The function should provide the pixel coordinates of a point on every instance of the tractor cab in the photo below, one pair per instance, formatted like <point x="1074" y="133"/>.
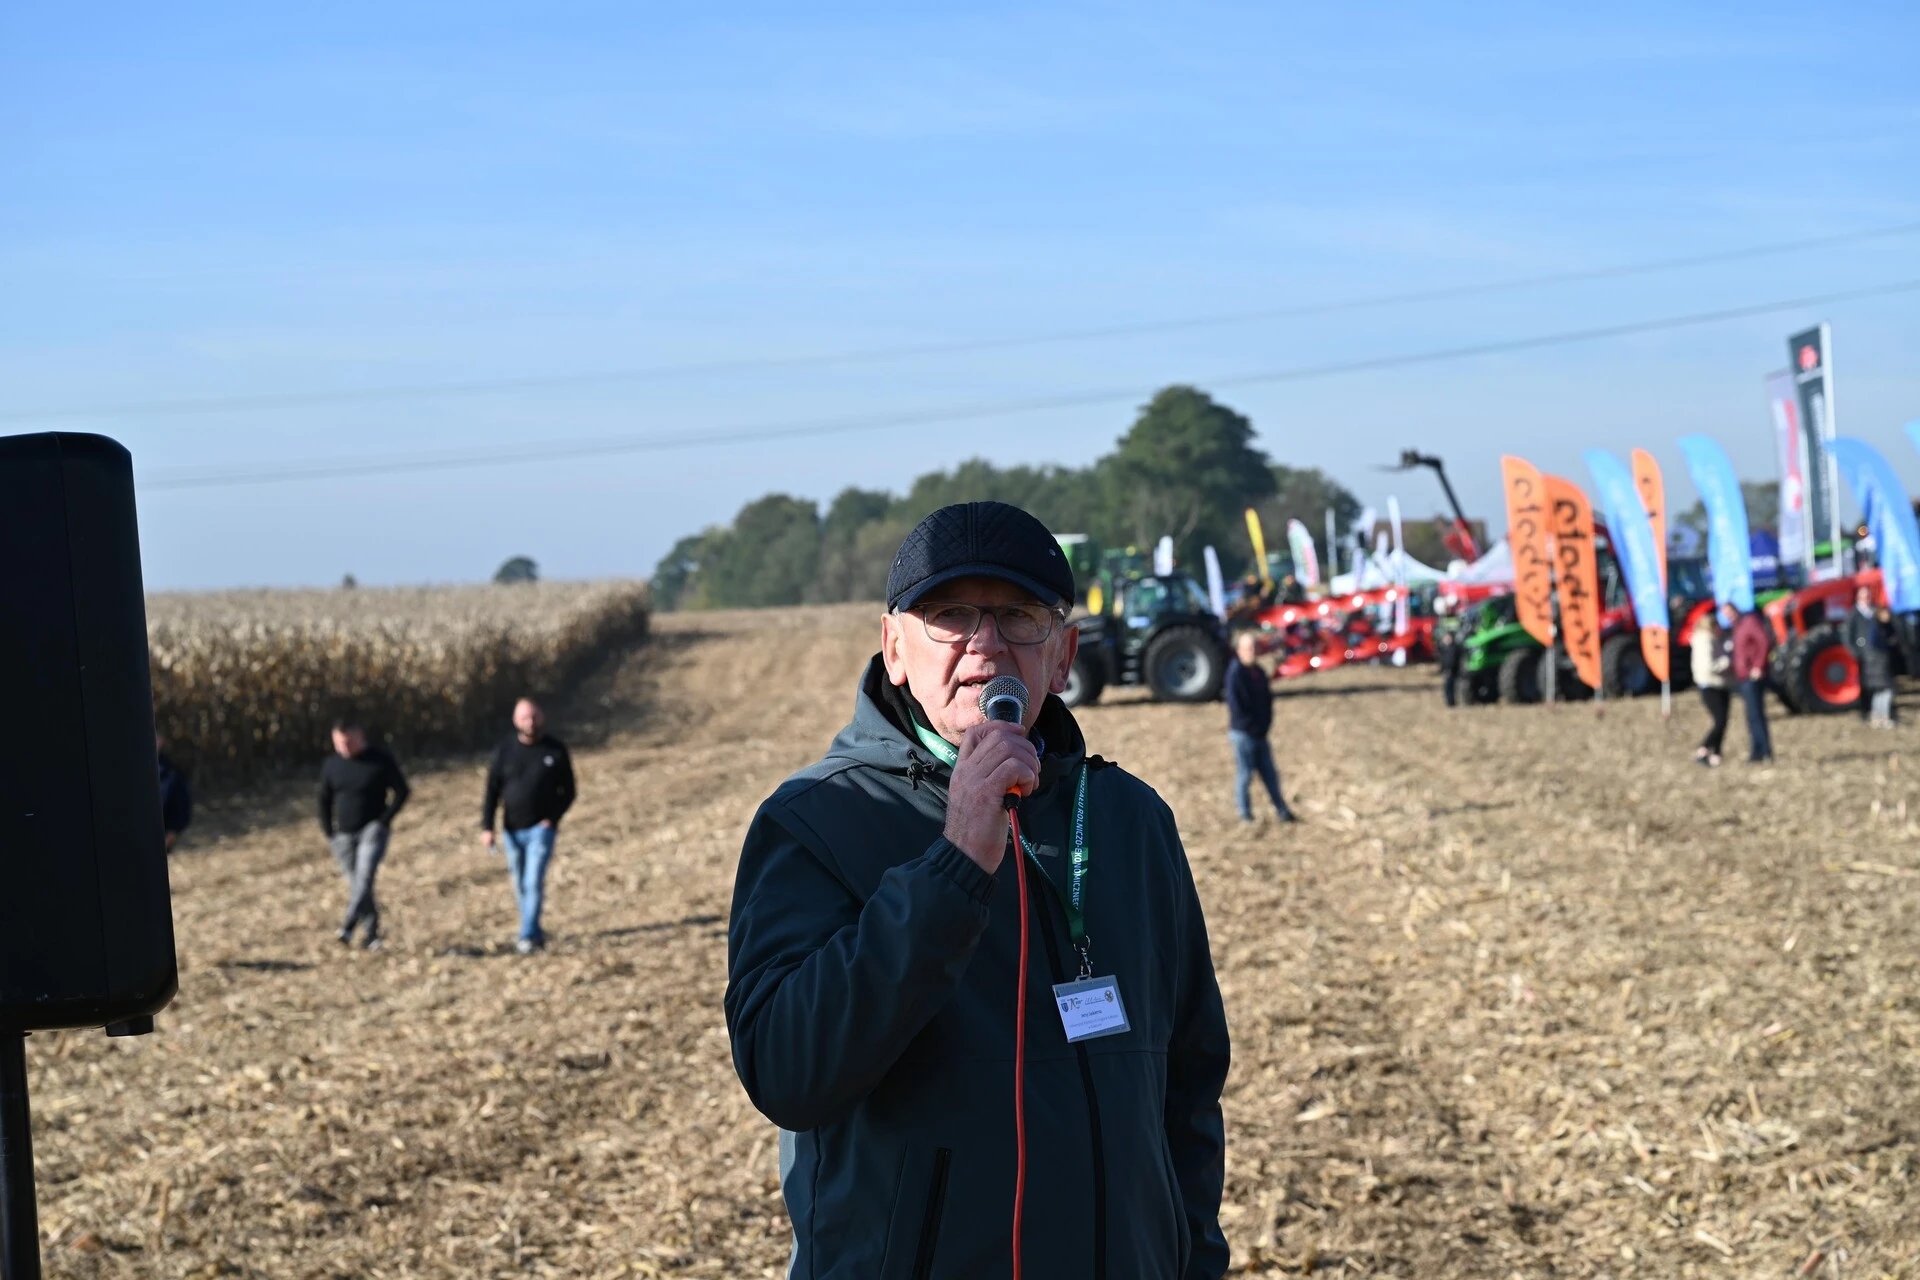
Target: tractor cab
<point x="1158" y="630"/>
<point x="1144" y="600"/>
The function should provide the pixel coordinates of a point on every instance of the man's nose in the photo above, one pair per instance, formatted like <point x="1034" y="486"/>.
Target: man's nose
<point x="986" y="637"/>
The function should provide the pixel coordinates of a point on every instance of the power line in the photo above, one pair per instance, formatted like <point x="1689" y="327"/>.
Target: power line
<point x="551" y="382"/>
<point x="453" y="459"/>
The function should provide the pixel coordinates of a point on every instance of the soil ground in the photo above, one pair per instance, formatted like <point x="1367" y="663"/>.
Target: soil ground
<point x="1528" y="994"/>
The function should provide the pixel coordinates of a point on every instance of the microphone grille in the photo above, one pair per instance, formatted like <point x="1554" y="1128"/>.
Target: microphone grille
<point x="1004" y="690"/>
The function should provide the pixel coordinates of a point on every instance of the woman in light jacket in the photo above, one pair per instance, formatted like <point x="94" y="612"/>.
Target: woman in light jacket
<point x="1712" y="675"/>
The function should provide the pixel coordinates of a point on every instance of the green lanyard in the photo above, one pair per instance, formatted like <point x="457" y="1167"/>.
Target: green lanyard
<point x="1079" y="856"/>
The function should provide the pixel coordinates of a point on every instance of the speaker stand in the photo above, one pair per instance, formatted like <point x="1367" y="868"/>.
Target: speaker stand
<point x="19" y="1219"/>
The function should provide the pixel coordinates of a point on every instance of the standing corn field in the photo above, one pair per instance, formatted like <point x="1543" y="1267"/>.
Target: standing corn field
<point x="248" y="681"/>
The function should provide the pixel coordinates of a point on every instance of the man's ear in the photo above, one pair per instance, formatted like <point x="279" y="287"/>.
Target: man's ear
<point x="893" y="647"/>
<point x="1057" y="680"/>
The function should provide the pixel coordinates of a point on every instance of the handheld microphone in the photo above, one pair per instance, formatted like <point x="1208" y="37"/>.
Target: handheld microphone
<point x="1004" y="698"/>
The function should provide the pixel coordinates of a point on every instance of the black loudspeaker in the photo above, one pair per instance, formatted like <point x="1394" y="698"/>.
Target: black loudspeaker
<point x="86" y="924"/>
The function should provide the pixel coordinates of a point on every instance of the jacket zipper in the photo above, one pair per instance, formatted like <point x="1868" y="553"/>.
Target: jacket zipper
<point x="930" y="1223"/>
<point x="1097" y="1154"/>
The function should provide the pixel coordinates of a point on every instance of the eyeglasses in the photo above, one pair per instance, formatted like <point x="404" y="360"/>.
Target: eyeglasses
<point x="1017" y="623"/>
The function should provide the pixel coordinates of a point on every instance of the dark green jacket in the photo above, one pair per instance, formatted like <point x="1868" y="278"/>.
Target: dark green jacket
<point x="870" y="998"/>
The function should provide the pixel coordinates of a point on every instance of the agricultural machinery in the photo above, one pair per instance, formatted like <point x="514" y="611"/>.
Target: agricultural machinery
<point x="1500" y="660"/>
<point x="1459" y="540"/>
<point x="1319" y="635"/>
<point x="1503" y="663"/>
<point x="1159" y="631"/>
<point x="1812" y="667"/>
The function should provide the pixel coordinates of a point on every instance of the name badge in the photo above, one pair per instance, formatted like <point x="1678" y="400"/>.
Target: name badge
<point x="1090" y="1008"/>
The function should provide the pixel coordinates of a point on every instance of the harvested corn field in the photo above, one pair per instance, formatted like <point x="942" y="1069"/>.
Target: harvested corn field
<point x="245" y="681"/>
<point x="1529" y="994"/>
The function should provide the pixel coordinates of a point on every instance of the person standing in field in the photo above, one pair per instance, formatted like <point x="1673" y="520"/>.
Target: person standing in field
<point x="1867" y="636"/>
<point x="361" y="791"/>
<point x="877" y="956"/>
<point x="176" y="798"/>
<point x="1752" y="642"/>
<point x="532" y="774"/>
<point x="1712" y="664"/>
<point x="1249" y="720"/>
<point x="1448" y="651"/>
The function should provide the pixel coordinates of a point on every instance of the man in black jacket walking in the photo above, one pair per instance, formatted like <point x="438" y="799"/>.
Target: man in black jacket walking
<point x="1249" y="720"/>
<point x="874" y="959"/>
<point x="532" y="772"/>
<point x="361" y="789"/>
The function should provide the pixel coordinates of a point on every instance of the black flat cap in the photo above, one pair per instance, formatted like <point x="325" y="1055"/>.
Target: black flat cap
<point x="979" y="540"/>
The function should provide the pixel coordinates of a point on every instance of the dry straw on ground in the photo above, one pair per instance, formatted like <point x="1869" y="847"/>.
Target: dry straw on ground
<point x="1528" y="995"/>
<point x="248" y="680"/>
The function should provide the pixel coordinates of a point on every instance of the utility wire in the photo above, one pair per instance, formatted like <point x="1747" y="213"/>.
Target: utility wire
<point x="452" y="459"/>
<point x="491" y="386"/>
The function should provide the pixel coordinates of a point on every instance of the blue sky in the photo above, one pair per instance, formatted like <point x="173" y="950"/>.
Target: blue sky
<point x="223" y="200"/>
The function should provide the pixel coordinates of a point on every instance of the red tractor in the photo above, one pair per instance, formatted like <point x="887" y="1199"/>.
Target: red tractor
<point x="1812" y="668"/>
<point x="1623" y="666"/>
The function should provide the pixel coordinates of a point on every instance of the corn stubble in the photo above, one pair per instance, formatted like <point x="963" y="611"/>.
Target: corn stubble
<point x="1527" y="994"/>
<point x="247" y="682"/>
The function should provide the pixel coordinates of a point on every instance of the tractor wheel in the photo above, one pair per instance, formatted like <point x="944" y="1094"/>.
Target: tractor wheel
<point x="1822" y="673"/>
<point x="1085" y="682"/>
<point x="1483" y="686"/>
<point x="1520" y="677"/>
<point x="1567" y="684"/>
<point x="1185" y="664"/>
<point x="1624" y="670"/>
<point x="1778" y="663"/>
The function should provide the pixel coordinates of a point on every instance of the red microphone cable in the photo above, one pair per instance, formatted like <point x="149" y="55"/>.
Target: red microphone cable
<point x="1019" y="1047"/>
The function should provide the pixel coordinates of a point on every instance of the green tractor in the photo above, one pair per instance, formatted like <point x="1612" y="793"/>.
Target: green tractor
<point x="1157" y="630"/>
<point x="1503" y="663"/>
<point x="1499" y="659"/>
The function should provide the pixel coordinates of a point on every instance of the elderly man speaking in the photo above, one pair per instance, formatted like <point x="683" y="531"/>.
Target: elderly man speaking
<point x="875" y="949"/>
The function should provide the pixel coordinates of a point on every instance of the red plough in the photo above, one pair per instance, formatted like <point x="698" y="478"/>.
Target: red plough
<point x="1319" y="635"/>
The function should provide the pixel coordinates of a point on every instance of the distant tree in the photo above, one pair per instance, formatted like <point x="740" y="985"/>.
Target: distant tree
<point x="843" y="573"/>
<point x="871" y="557"/>
<point x="1303" y="494"/>
<point x="349" y="582"/>
<point x="517" y="569"/>
<point x="1187" y="467"/>
<point x="1762" y="500"/>
<point x="770" y="555"/>
<point x="1062" y="498"/>
<point x="673" y="576"/>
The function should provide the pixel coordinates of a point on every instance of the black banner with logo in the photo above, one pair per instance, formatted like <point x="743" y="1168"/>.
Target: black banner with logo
<point x="1811" y="378"/>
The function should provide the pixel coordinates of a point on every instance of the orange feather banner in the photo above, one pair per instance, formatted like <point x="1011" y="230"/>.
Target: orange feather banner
<point x="1578" y="573"/>
<point x="1528" y="529"/>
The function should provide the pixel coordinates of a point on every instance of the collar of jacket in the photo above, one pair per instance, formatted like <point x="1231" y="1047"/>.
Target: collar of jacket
<point x="881" y="734"/>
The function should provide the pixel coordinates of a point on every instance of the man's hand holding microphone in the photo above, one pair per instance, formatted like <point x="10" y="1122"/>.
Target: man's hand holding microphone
<point x="997" y="761"/>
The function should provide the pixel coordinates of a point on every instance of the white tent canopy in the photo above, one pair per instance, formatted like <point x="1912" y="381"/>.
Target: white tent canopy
<point x="1385" y="570"/>
<point x="1495" y="566"/>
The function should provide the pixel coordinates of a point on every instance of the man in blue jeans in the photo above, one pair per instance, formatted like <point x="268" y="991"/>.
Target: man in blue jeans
<point x="533" y="775"/>
<point x="1249" y="718"/>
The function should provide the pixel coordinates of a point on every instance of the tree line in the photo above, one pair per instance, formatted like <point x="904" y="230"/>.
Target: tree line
<point x="1186" y="467"/>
